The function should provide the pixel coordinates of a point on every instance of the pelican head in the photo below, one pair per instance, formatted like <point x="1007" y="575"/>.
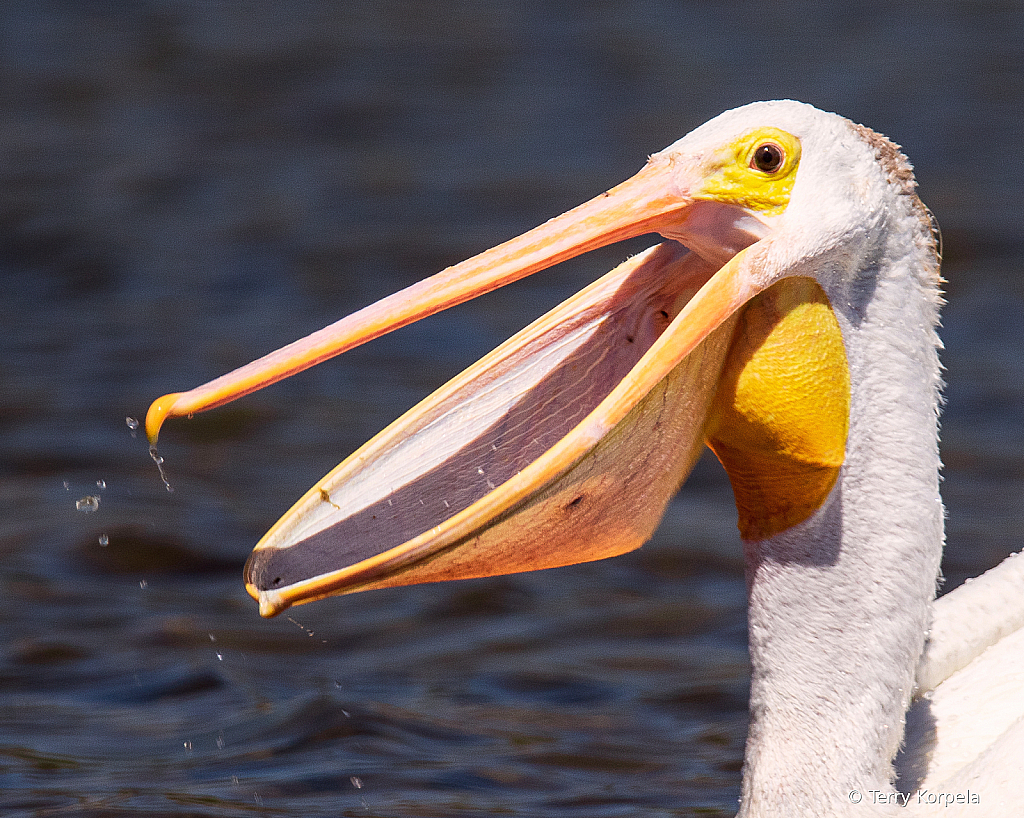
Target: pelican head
<point x="788" y="320"/>
<point x="761" y="194"/>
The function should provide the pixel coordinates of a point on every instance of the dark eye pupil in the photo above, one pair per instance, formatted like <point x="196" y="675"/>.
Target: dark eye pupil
<point x="768" y="157"/>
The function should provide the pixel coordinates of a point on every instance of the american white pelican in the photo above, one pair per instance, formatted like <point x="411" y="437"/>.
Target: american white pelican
<point x="789" y="321"/>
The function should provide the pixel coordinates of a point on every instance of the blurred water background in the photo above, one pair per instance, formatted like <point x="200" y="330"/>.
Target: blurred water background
<point x="185" y="185"/>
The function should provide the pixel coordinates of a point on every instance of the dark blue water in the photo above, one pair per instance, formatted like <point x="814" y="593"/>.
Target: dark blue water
<point x="186" y="185"/>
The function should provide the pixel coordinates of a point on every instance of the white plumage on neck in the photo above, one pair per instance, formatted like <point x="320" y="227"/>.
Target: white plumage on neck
<point x="839" y="605"/>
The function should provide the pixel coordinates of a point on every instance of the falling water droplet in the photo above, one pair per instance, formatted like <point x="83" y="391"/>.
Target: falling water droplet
<point x="160" y="467"/>
<point x="88" y="504"/>
<point x="101" y="484"/>
<point x="143" y="583"/>
<point x="104" y="540"/>
<point x="133" y="424"/>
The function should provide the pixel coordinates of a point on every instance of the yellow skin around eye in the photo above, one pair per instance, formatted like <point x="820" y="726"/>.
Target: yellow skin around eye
<point x="781" y="416"/>
<point x="733" y="178"/>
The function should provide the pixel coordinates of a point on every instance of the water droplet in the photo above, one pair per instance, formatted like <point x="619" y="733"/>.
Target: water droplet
<point x="220" y="741"/>
<point x="309" y="631"/>
<point x="160" y="468"/>
<point x="67" y="486"/>
<point x="88" y="504"/>
<point x="220" y="658"/>
<point x="212" y="638"/>
<point x="104" y="540"/>
<point x="234" y="779"/>
<point x="101" y="484"/>
<point x="133" y="424"/>
<point x="143" y="583"/>
<point x="356" y="781"/>
<point x="188" y="745"/>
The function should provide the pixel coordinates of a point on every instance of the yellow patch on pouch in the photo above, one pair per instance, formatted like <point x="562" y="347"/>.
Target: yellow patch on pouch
<point x="781" y="415"/>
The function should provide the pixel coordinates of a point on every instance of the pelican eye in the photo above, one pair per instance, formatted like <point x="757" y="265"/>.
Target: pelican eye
<point x="767" y="157"/>
<point x="756" y="171"/>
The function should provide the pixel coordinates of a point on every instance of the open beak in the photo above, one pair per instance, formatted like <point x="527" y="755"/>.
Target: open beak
<point x="563" y="445"/>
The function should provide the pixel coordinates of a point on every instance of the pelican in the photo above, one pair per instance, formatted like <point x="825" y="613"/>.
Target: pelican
<point x="788" y="321"/>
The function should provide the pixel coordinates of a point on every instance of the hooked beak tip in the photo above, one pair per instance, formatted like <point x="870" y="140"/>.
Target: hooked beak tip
<point x="270" y="603"/>
<point x="158" y="412"/>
